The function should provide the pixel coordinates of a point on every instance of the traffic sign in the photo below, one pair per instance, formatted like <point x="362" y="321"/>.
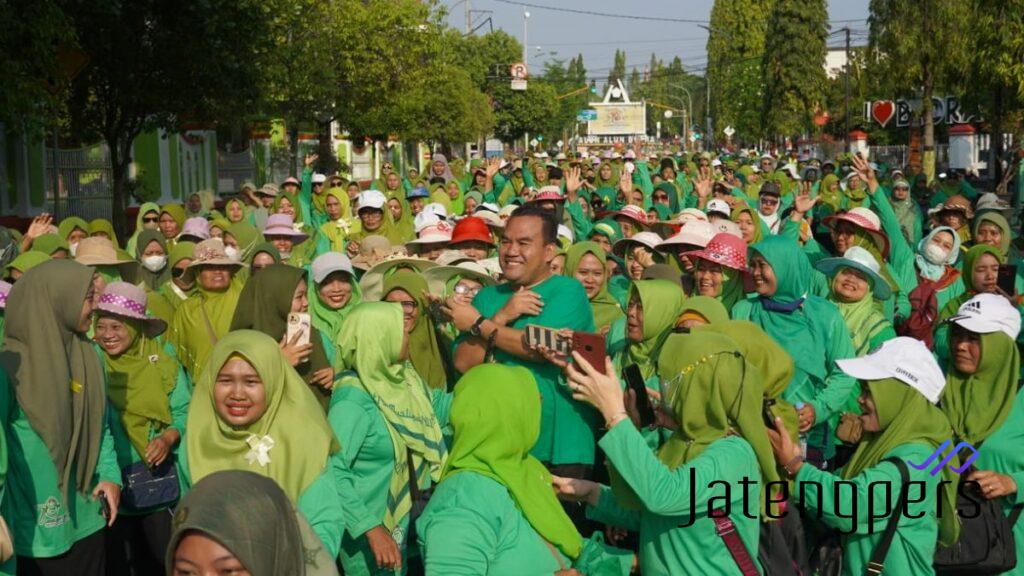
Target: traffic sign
<point x="586" y="115"/>
<point x="518" y="71"/>
<point x="559" y="143"/>
<point x="534" y="142"/>
<point x="729" y="131"/>
<point x="519" y="85"/>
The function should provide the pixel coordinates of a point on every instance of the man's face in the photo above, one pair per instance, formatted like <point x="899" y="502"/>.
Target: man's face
<point x="523" y="254"/>
<point x="769" y="205"/>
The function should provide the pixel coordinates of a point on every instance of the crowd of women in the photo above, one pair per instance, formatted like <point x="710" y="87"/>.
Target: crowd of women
<point x="326" y="376"/>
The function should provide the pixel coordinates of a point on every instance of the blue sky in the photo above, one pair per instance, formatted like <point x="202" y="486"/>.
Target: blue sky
<point x="557" y="34"/>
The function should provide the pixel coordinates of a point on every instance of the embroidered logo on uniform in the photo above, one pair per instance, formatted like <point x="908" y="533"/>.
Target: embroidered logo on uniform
<point x="52" y="514"/>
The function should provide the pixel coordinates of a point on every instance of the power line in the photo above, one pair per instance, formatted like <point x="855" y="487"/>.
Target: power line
<point x="605" y="14"/>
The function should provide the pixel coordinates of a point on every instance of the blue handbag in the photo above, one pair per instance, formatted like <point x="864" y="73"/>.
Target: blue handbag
<point x="145" y="488"/>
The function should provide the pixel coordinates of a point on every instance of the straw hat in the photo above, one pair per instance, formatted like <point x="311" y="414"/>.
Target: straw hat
<point x="209" y="253"/>
<point x="439" y="276"/>
<point x="129" y="301"/>
<point x="372" y="250"/>
<point x="98" y="251"/>
<point x="372" y="282"/>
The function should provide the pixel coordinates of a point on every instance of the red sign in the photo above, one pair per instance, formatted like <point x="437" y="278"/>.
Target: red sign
<point x="518" y="71"/>
<point x="883" y="111"/>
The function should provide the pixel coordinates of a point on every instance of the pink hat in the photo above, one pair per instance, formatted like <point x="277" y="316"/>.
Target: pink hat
<point x="283" y="225"/>
<point x="549" y="193"/>
<point x="694" y="233"/>
<point x="635" y="213"/>
<point x="196" y="227"/>
<point x="129" y="301"/>
<point x="867" y="220"/>
<point x="5" y="289"/>
<point x="291" y="180"/>
<point x="725" y="249"/>
<point x="434" y="234"/>
<point x="691" y="214"/>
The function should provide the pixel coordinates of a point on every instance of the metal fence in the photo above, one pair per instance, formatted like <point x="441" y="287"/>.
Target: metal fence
<point x="234" y="169"/>
<point x="83" y="180"/>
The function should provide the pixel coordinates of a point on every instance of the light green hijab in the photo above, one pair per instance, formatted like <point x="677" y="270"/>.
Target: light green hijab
<point x="303" y="440"/>
<point x="139" y="381"/>
<point x="495" y="415"/>
<point x="863" y="318"/>
<point x="606" y="308"/>
<point x="662" y="302"/>
<point x="104" y="226"/>
<point x="25" y="262"/>
<point x="54" y="370"/>
<point x="326" y="319"/>
<point x="399" y="393"/>
<point x="424" y="348"/>
<point x="978" y="404"/>
<point x="905" y="417"/>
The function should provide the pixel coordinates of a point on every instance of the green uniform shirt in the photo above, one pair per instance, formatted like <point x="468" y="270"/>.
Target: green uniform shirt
<point x="674" y="498"/>
<point x="43" y="523"/>
<point x="913" y="546"/>
<point x="566" y="426"/>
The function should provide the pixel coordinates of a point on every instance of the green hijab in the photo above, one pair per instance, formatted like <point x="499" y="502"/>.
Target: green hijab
<point x="25" y="262"/>
<point x="906" y="417"/>
<point x="326" y="319"/>
<point x="833" y="200"/>
<point x="152" y="280"/>
<point x="978" y="404"/>
<point x="758" y="225"/>
<point x="292" y="199"/>
<point x="54" y="370"/>
<point x="232" y="507"/>
<point x="709" y="308"/>
<point x="967" y="276"/>
<point x="264" y="248"/>
<point x="495" y="415"/>
<point x="662" y="303"/>
<point x="606" y="308"/>
<point x="246" y="235"/>
<point x="998" y="220"/>
<point x="68" y="225"/>
<point x="140" y="225"/>
<point x="401" y="396"/>
<point x="139" y="381"/>
<point x="264" y="305"/>
<point x="227" y="212"/>
<point x="176" y="211"/>
<point x="303" y="440"/>
<point x="424" y="349"/>
<point x="863" y="318"/>
<point x="104" y="226"/>
<point x="49" y="244"/>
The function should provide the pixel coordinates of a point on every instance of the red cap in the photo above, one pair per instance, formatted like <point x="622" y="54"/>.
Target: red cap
<point x="472" y="228"/>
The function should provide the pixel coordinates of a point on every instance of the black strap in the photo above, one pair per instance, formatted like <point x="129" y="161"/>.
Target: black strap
<point x="1014" y="514"/>
<point x="877" y="562"/>
<point x="414" y="490"/>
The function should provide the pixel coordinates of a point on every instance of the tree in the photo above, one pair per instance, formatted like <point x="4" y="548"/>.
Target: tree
<point x="33" y="45"/>
<point x="793" y="66"/>
<point x="155" y="65"/>
<point x="618" y="71"/>
<point x="486" y="57"/>
<point x="518" y="112"/>
<point x="736" y="46"/>
<point x="450" y="112"/>
<point x="922" y="43"/>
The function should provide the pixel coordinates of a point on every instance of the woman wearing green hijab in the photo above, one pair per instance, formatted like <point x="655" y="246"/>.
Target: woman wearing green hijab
<point x="172" y="218"/>
<point x="151" y="253"/>
<point x="338" y="220"/>
<point x="983" y="403"/>
<point x="385" y="417"/>
<point x="60" y="456"/>
<point x="206" y="316"/>
<point x="587" y="262"/>
<point x="73" y="230"/>
<point x="252" y="411"/>
<point x="148" y="218"/>
<point x="52" y="245"/>
<point x="430" y="360"/>
<point x="239" y="240"/>
<point x="899" y="421"/>
<point x="714" y="398"/>
<point x="149" y="394"/>
<point x="334" y="293"/>
<point x="718" y="269"/>
<point x="751" y="226"/>
<point x="265" y="304"/>
<point x="855" y="286"/>
<point x="102" y="227"/>
<point x="179" y="287"/>
<point x="494" y="511"/>
<point x="654" y="306"/>
<point x="811" y="330"/>
<point x="235" y="211"/>
<point x="222" y="527"/>
<point x="22" y="264"/>
<point x="263" y="254"/>
<point x="980" y="275"/>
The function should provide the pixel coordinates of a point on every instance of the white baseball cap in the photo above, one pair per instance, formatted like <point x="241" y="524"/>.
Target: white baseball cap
<point x="693" y="233"/>
<point x="424" y="219"/>
<point x="371" y="199"/>
<point x="330" y="262"/>
<point x="716" y="162"/>
<point x="630" y="155"/>
<point x="437" y="209"/>
<point x="319" y="178"/>
<point x="905" y="359"/>
<point x="720" y="206"/>
<point x="565" y="232"/>
<point x="987" y="313"/>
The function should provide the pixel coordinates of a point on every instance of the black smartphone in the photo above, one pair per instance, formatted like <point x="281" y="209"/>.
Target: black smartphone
<point x="635" y="382"/>
<point x="766" y="413"/>
<point x="105" y="506"/>
<point x="1006" y="279"/>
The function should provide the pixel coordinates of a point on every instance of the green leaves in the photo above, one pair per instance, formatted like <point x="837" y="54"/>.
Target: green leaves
<point x="793" y="66"/>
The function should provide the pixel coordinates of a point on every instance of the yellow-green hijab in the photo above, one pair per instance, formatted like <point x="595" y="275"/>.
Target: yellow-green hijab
<point x="495" y="415"/>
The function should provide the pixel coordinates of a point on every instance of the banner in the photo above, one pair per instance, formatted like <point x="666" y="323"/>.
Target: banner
<point x="618" y="119"/>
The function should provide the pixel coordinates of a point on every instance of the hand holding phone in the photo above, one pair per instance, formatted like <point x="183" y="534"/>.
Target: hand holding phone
<point x="298" y="326"/>
<point x="591" y="347"/>
<point x="635" y="382"/>
<point x="1006" y="279"/>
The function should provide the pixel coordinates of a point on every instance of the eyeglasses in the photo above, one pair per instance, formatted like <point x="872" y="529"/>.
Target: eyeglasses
<point x="149" y="219"/>
<point x="408" y="305"/>
<point x="769" y="201"/>
<point x="463" y="290"/>
<point x="177" y="272"/>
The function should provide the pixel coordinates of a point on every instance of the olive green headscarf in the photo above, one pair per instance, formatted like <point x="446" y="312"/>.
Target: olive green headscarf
<point x="55" y="370"/>
<point x="246" y="236"/>
<point x="253" y="519"/>
<point x="662" y="303"/>
<point x="400" y="395"/>
<point x="303" y="440"/>
<point x="707" y="307"/>
<point x="970" y="260"/>
<point x="495" y="415"/>
<point x="264" y="248"/>
<point x="978" y="404"/>
<point x="153" y="280"/>
<point x="424" y="349"/>
<point x="139" y="381"/>
<point x="905" y="416"/>
<point x="264" y="305"/>
<point x="68" y="225"/>
<point x="605" y="306"/>
<point x="25" y="262"/>
<point x="1000" y="222"/>
<point x="49" y="244"/>
<point x="103" y="225"/>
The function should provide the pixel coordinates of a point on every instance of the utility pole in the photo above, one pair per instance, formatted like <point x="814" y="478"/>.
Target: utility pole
<point x="846" y="87"/>
<point x="469" y="21"/>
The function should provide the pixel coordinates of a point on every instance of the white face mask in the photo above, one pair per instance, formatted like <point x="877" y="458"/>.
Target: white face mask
<point x="154" y="263"/>
<point x="286" y="255"/>
<point x="935" y="254"/>
<point x="232" y="253"/>
<point x="74" y="248"/>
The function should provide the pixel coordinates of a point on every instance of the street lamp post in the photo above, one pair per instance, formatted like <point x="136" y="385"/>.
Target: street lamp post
<point x="707" y="82"/>
<point x="526" y="57"/>
<point x="688" y="113"/>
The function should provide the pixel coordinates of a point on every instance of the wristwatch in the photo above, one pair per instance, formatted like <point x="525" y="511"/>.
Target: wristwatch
<point x="475" y="328"/>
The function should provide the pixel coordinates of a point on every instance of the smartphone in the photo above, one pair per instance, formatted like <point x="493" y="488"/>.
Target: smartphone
<point x="434" y="308"/>
<point x="537" y="336"/>
<point x="766" y="413"/>
<point x="298" y="323"/>
<point x="635" y="382"/>
<point x="105" y="506"/>
<point x="1006" y="279"/>
<point x="591" y="347"/>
